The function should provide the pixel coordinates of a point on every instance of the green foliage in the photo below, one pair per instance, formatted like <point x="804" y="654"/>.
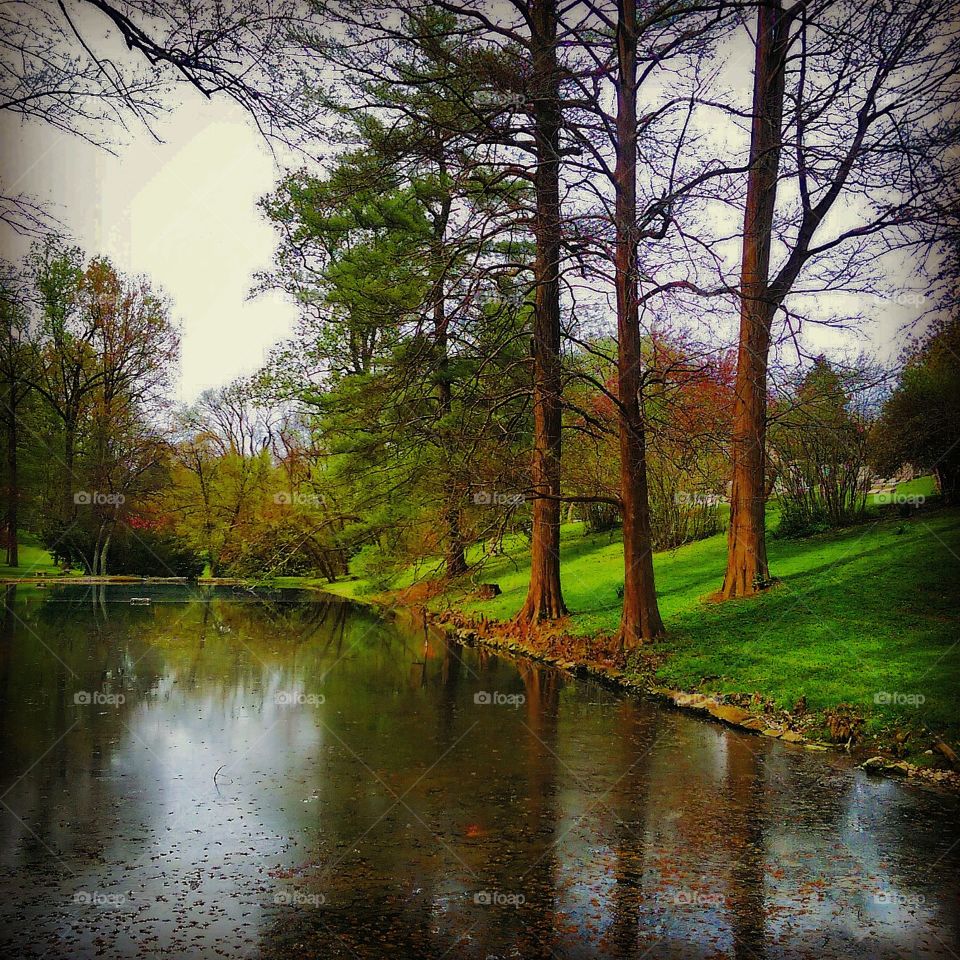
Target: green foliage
<point x="600" y="517"/>
<point x="920" y="423"/>
<point x="819" y="447"/>
<point x="149" y="553"/>
<point x="140" y="552"/>
<point x="284" y="546"/>
<point x="799" y="519"/>
<point x="375" y="569"/>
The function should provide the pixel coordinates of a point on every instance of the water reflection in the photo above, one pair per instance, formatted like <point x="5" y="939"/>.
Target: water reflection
<point x="220" y="772"/>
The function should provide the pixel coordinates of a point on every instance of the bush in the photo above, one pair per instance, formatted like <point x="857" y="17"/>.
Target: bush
<point x="599" y="517"/>
<point x="796" y="521"/>
<point x="152" y="554"/>
<point x="371" y="565"/>
<point x="818" y="447"/>
<point x="677" y="518"/>
<point x="141" y="552"/>
<point x="269" y="550"/>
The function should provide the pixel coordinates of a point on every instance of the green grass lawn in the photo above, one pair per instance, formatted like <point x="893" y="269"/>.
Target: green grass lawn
<point x="33" y="558"/>
<point x="868" y="610"/>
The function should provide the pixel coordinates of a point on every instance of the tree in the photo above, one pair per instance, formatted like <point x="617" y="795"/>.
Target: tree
<point x="223" y="474"/>
<point x="100" y="360"/>
<point x="65" y="371"/>
<point x="513" y="54"/>
<point x="544" y="596"/>
<point x="920" y="422"/>
<point x="818" y="444"/>
<point x="15" y="376"/>
<point x="863" y="145"/>
<point x="747" y="569"/>
<point x="640" y="619"/>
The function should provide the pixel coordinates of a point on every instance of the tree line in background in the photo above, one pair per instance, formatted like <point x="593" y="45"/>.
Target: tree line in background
<point x="529" y="225"/>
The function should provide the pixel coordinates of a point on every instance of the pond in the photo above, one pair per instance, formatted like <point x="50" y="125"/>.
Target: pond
<point x="249" y="774"/>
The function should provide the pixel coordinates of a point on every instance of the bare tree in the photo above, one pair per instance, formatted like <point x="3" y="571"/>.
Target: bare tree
<point x="747" y="562"/>
<point x="853" y="127"/>
<point x="640" y="619"/>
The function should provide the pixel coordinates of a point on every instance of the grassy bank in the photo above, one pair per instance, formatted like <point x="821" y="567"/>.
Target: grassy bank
<point x="34" y="559"/>
<point x="857" y="614"/>
<point x="867" y="616"/>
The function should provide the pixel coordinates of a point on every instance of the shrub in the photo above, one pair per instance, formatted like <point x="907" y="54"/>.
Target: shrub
<point x="371" y="565"/>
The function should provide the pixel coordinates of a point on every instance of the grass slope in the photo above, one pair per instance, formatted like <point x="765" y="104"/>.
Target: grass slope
<point x="33" y="558"/>
<point x="869" y="610"/>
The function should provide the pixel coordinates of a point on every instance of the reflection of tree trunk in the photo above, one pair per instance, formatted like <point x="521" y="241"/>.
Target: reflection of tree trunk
<point x="641" y="617"/>
<point x="98" y="598"/>
<point x="747" y="569"/>
<point x="450" y="675"/>
<point x="745" y="828"/>
<point x="544" y="597"/>
<point x="631" y="796"/>
<point x="6" y="651"/>
<point x="537" y="881"/>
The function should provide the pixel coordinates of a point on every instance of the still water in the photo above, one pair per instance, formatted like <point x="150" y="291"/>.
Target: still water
<point x="222" y="773"/>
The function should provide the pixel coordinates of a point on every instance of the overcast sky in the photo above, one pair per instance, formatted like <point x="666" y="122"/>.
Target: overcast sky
<point x="182" y="211"/>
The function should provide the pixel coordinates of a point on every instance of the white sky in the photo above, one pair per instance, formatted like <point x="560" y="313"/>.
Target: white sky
<point x="182" y="211"/>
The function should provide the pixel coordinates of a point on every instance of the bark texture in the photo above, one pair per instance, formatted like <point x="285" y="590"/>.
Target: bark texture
<point x="641" y="617"/>
<point x="544" y="597"/>
<point x="747" y="569"/>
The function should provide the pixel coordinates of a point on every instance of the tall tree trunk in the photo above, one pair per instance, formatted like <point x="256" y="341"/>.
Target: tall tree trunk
<point x="13" y="488"/>
<point x="69" y="456"/>
<point x="104" y="548"/>
<point x="747" y="569"/>
<point x="641" y="617"/>
<point x="456" y="558"/>
<point x="544" y="597"/>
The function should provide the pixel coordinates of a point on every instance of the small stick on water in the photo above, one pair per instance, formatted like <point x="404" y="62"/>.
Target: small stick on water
<point x="222" y="765"/>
